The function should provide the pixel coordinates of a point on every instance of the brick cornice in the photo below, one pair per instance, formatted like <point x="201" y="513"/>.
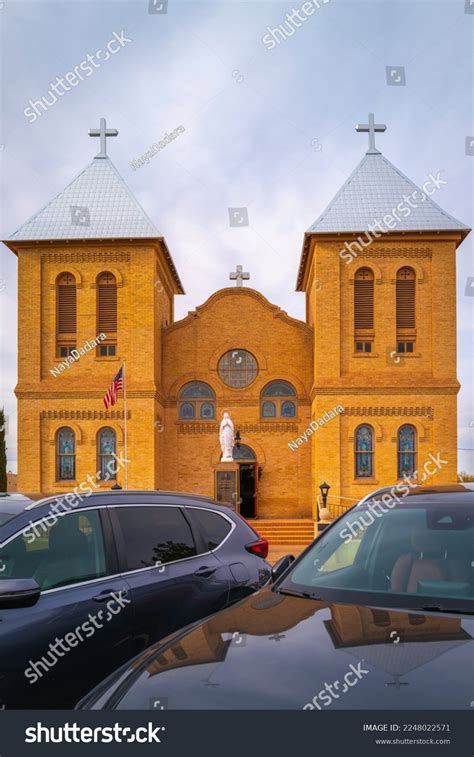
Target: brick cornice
<point x="84" y="395"/>
<point x="245" y="428"/>
<point x="424" y="411"/>
<point x="375" y="391"/>
<point x="84" y="415"/>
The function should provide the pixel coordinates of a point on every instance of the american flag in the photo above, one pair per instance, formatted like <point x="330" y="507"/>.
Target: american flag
<point x="110" y="397"/>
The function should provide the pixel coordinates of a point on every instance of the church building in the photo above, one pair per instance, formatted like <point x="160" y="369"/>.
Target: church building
<point x="361" y="394"/>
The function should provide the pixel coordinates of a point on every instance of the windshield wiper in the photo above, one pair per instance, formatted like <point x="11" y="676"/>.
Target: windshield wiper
<point x="303" y="594"/>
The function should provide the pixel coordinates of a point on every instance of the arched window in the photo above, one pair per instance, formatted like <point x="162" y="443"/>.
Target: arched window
<point x="107" y="313"/>
<point x="186" y="411"/>
<point x="66" y="314"/>
<point x="288" y="409"/>
<point x="364" y="452"/>
<point x="268" y="410"/>
<point x="65" y="454"/>
<point x="363" y="310"/>
<point x="207" y="410"/>
<point x="243" y="452"/>
<point x="406" y="316"/>
<point x="278" y="406"/>
<point x="106" y="451"/>
<point x="406" y="444"/>
<point x="197" y="400"/>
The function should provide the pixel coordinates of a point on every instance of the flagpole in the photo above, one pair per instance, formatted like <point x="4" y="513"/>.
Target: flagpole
<point x="125" y="425"/>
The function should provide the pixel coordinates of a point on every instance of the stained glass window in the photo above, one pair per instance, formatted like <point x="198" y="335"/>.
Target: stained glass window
<point x="243" y="452"/>
<point x="195" y="390"/>
<point x="280" y="407"/>
<point x="237" y="368"/>
<point x="278" y="389"/>
<point x="200" y="401"/>
<point x="186" y="411"/>
<point x="207" y="410"/>
<point x="288" y="409"/>
<point x="364" y="452"/>
<point x="406" y="451"/>
<point x="66" y="454"/>
<point x="268" y="410"/>
<point x="106" y="451"/>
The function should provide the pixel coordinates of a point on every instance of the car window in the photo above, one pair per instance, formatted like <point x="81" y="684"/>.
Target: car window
<point x="154" y="535"/>
<point x="343" y="556"/>
<point x="214" y="527"/>
<point x="413" y="551"/>
<point x="66" y="551"/>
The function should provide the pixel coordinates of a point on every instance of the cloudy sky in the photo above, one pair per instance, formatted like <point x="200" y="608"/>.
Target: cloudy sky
<point x="269" y="130"/>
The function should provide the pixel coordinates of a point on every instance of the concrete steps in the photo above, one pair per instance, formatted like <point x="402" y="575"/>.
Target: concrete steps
<point x="285" y="531"/>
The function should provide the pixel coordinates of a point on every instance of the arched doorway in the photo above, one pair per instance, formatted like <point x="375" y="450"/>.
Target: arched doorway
<point x="248" y="479"/>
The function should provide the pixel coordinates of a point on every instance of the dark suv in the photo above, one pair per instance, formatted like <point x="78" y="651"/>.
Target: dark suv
<point x="86" y="585"/>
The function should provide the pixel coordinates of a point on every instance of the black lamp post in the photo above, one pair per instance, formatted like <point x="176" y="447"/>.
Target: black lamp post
<point x="237" y="439"/>
<point x="324" y="488"/>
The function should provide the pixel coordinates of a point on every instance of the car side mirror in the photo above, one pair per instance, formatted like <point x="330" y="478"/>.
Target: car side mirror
<point x="281" y="565"/>
<point x="18" y="592"/>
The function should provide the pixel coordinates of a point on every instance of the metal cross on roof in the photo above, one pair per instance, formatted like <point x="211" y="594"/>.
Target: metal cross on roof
<point x="371" y="128"/>
<point x="103" y="133"/>
<point x="239" y="276"/>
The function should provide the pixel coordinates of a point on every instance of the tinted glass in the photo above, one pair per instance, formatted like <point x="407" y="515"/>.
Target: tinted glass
<point x="67" y="551"/>
<point x="214" y="527"/>
<point x="414" y="551"/>
<point x="154" y="535"/>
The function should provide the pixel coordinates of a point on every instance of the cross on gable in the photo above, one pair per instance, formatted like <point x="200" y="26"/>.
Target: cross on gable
<point x="239" y="276"/>
<point x="103" y="133"/>
<point x="371" y="128"/>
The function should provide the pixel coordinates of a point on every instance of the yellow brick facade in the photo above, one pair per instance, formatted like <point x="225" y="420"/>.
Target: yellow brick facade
<point x="382" y="388"/>
<point x="317" y="357"/>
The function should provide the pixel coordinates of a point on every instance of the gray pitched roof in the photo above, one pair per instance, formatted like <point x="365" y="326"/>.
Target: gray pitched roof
<point x="111" y="210"/>
<point x="375" y="188"/>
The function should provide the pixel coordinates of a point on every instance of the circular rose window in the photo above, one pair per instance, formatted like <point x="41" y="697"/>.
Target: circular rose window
<point x="237" y="368"/>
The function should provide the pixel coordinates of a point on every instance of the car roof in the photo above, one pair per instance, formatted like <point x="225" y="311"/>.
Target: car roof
<point x="22" y="515"/>
<point x="122" y="496"/>
<point x="424" y="495"/>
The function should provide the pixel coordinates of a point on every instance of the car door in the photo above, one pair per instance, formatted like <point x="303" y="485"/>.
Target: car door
<point x="79" y="630"/>
<point x="173" y="579"/>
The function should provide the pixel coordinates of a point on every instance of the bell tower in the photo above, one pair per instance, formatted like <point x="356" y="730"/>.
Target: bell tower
<point x="376" y="266"/>
<point x="96" y="284"/>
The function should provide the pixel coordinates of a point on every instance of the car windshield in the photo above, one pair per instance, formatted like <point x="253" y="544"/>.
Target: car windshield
<point x="418" y="557"/>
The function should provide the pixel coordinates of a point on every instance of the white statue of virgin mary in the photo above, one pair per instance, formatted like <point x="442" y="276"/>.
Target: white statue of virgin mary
<point x="226" y="438"/>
